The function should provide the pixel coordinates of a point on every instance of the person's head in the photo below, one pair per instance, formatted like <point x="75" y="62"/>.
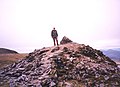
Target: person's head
<point x="54" y="28"/>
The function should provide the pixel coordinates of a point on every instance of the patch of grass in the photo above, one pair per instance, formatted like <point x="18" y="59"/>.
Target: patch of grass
<point x="5" y="63"/>
<point x="6" y="59"/>
<point x="5" y="84"/>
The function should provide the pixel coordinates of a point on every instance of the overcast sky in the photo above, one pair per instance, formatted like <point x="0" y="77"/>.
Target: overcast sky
<point x="26" y="25"/>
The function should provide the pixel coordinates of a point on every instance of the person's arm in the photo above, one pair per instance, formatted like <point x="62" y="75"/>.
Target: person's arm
<point x="56" y="33"/>
<point x="51" y="33"/>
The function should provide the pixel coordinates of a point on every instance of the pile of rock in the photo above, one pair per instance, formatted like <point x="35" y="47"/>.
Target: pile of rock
<point x="66" y="65"/>
<point x="65" y="40"/>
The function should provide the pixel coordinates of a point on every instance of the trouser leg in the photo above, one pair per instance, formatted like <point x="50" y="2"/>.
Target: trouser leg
<point x="54" y="41"/>
<point x="57" y="41"/>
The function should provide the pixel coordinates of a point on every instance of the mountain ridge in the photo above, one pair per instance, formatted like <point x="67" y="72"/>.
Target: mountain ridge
<point x="112" y="53"/>
<point x="7" y="51"/>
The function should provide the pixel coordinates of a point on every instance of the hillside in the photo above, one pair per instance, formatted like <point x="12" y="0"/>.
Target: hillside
<point x="6" y="59"/>
<point x="7" y="51"/>
<point x="113" y="54"/>
<point x="117" y="49"/>
<point x="68" y="65"/>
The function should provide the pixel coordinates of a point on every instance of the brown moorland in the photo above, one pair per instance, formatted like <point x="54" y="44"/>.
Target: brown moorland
<point x="6" y="59"/>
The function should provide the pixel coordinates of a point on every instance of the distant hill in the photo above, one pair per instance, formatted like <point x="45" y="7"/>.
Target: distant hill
<point x="6" y="51"/>
<point x="112" y="53"/>
<point x="117" y="49"/>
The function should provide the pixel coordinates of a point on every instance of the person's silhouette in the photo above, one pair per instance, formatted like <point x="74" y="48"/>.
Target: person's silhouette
<point x="54" y="35"/>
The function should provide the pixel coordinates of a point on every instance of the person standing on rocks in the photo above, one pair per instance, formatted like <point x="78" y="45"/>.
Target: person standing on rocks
<point x="54" y="35"/>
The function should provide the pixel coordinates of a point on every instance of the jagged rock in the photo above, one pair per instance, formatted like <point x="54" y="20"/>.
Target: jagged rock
<point x="67" y="65"/>
<point x="65" y="40"/>
<point x="55" y="49"/>
<point x="28" y="67"/>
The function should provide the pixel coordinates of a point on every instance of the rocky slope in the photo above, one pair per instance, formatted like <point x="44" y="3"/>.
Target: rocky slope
<point x="6" y="51"/>
<point x="67" y="65"/>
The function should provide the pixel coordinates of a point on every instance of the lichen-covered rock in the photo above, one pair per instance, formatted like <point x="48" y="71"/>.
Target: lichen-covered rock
<point x="67" y="65"/>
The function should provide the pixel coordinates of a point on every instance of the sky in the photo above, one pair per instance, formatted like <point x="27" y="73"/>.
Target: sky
<point x="26" y="25"/>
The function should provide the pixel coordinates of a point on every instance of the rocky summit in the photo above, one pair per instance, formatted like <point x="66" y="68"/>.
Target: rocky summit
<point x="68" y="65"/>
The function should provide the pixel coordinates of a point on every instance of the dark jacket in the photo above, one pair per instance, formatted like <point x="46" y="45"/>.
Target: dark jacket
<point x="54" y="34"/>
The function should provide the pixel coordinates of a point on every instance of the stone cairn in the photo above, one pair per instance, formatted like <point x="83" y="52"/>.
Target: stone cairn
<point x="65" y="40"/>
<point x="67" y="65"/>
